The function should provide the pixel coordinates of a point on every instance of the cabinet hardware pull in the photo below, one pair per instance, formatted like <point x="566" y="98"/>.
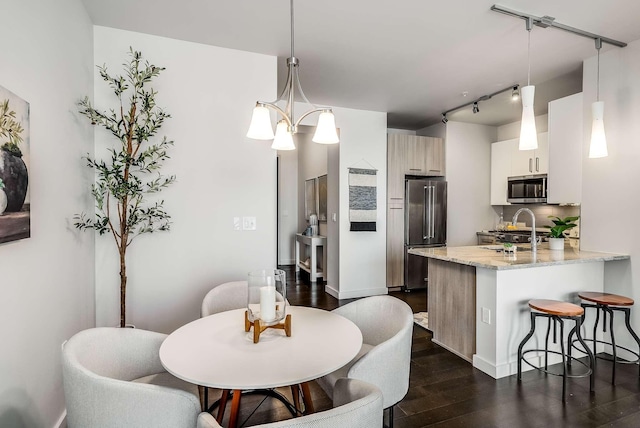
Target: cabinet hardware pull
<point x="415" y="169"/>
<point x="537" y="164"/>
<point x="396" y="208"/>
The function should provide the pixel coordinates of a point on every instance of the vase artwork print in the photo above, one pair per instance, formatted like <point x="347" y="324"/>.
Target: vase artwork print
<point x="15" y="206"/>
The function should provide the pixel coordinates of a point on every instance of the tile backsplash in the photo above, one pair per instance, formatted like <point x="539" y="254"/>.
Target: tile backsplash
<point x="541" y="212"/>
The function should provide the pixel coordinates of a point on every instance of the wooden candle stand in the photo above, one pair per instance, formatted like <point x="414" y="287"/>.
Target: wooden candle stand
<point x="258" y="328"/>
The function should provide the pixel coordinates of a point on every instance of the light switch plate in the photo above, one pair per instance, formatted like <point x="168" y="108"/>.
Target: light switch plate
<point x="486" y="315"/>
<point x="248" y="223"/>
<point x="236" y="223"/>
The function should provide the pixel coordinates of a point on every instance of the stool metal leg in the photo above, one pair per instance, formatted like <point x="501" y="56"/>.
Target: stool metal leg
<point x="526" y="338"/>
<point x="627" y="313"/>
<point x="592" y="359"/>
<point x="564" y="357"/>
<point x="546" y="341"/>
<point x="606" y="310"/>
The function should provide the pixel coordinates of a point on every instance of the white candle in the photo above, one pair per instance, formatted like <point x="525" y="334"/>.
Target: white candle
<point x="268" y="303"/>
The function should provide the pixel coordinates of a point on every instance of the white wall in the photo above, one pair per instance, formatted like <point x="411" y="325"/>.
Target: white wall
<point x="210" y="93"/>
<point x="47" y="281"/>
<point x="362" y="263"/>
<point x="288" y="205"/>
<point x="468" y="148"/>
<point x="610" y="199"/>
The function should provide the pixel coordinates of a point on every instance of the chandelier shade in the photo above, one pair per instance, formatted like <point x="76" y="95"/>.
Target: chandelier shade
<point x="528" y="134"/>
<point x="598" y="146"/>
<point x="283" y="139"/>
<point x="326" y="132"/>
<point x="260" y="127"/>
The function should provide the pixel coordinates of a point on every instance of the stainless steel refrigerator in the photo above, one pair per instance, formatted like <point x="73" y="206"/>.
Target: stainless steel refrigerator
<point x="425" y="225"/>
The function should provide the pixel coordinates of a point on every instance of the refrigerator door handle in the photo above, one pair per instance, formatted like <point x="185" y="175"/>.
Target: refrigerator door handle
<point x="425" y="215"/>
<point x="433" y="211"/>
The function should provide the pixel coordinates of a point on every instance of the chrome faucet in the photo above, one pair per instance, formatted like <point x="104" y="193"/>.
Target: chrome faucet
<point x="534" y="243"/>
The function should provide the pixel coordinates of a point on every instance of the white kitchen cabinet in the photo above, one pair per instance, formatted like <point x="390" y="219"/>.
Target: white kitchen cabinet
<point x="500" y="170"/>
<point x="528" y="162"/>
<point x="565" y="150"/>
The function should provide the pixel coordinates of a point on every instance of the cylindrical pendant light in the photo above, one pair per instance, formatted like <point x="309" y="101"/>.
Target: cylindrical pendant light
<point x="598" y="146"/>
<point x="528" y="133"/>
<point x="326" y="129"/>
<point x="283" y="139"/>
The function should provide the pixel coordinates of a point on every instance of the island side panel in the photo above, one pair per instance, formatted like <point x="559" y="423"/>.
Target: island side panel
<point x="452" y="306"/>
<point x="506" y="293"/>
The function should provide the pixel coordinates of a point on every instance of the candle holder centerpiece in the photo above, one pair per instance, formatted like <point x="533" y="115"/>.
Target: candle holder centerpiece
<point x="267" y="302"/>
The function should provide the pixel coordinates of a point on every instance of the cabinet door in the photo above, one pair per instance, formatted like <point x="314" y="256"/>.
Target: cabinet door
<point x="522" y="161"/>
<point x="435" y="156"/>
<point x="565" y="150"/>
<point x="397" y="146"/>
<point x="541" y="155"/>
<point x="395" y="245"/>
<point x="500" y="170"/>
<point x="417" y="156"/>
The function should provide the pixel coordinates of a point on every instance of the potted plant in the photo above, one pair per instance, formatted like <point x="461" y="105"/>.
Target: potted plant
<point x="557" y="231"/>
<point x="131" y="171"/>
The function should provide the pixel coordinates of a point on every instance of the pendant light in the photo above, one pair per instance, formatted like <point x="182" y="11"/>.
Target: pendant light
<point x="528" y="134"/>
<point x="260" y="127"/>
<point x="598" y="146"/>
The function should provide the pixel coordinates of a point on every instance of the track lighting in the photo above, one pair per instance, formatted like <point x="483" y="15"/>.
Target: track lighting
<point x="515" y="93"/>
<point x="444" y="118"/>
<point x="475" y="108"/>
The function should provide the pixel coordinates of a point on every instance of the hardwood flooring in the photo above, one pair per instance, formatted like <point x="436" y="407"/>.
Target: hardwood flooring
<point x="446" y="391"/>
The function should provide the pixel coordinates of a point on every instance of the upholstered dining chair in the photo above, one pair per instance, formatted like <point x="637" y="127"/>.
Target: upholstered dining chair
<point x="386" y="324"/>
<point x="356" y="404"/>
<point x="225" y="297"/>
<point x="113" y="377"/>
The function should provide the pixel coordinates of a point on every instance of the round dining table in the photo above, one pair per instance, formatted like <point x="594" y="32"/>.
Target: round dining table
<point x="217" y="352"/>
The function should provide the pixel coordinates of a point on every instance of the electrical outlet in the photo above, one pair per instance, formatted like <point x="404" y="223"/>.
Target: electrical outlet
<point x="236" y="223"/>
<point x="486" y="315"/>
<point x="248" y="223"/>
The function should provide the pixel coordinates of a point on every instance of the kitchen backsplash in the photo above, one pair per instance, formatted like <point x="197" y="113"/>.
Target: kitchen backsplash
<point x="541" y="212"/>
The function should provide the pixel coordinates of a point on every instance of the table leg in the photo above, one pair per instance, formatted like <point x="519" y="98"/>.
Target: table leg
<point x="295" y="394"/>
<point x="235" y="408"/>
<point x="306" y="397"/>
<point x="297" y="256"/>
<point x="222" y="405"/>
<point x="314" y="264"/>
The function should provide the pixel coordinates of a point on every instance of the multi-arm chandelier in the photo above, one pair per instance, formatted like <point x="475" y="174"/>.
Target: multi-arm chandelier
<point x="260" y="127"/>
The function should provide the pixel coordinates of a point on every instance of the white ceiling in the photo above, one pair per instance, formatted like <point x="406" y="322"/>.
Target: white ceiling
<point x="410" y="58"/>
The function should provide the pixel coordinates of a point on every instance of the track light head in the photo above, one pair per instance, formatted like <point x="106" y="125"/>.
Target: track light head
<point x="515" y="93"/>
<point x="444" y="118"/>
<point x="475" y="108"/>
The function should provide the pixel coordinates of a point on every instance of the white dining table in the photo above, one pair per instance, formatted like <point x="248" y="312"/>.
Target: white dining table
<point x="215" y="351"/>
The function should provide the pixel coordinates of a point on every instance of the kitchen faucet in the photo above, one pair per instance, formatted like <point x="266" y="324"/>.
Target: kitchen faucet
<point x="534" y="243"/>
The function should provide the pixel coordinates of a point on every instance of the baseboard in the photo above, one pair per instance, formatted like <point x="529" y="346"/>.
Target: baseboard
<point x="62" y="421"/>
<point x="332" y="291"/>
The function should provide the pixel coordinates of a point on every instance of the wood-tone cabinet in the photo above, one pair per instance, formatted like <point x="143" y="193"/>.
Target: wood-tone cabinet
<point x="406" y="155"/>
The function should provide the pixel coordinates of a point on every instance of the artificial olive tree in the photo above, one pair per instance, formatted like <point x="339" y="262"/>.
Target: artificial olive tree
<point x="131" y="172"/>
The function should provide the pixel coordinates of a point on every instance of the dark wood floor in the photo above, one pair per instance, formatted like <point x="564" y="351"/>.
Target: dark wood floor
<point x="446" y="391"/>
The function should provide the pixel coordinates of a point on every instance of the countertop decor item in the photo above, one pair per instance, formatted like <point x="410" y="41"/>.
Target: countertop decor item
<point x="267" y="303"/>
<point x="260" y="127"/>
<point x="557" y="231"/>
<point x="132" y="170"/>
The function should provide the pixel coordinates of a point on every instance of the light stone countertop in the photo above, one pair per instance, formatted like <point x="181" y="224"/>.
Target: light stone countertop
<point x="486" y="256"/>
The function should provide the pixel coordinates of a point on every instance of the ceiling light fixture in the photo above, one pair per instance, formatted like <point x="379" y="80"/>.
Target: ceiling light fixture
<point x="528" y="133"/>
<point x="260" y="127"/>
<point x="598" y="146"/>
<point x="475" y="108"/>
<point x="515" y="93"/>
<point x="444" y="118"/>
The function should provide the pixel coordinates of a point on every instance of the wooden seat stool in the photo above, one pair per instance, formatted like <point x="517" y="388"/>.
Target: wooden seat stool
<point x="607" y="303"/>
<point x="556" y="312"/>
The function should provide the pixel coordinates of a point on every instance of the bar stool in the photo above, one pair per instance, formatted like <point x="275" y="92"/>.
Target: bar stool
<point x="608" y="303"/>
<point x="556" y="311"/>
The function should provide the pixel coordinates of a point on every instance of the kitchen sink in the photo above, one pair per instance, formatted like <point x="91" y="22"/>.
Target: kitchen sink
<point x="500" y="248"/>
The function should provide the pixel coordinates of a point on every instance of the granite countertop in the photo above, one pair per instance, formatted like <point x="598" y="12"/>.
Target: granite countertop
<point x="486" y="256"/>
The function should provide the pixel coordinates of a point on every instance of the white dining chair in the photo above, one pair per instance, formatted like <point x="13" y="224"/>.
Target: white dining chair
<point x="113" y="378"/>
<point x="356" y="404"/>
<point x="225" y="297"/>
<point x="386" y="324"/>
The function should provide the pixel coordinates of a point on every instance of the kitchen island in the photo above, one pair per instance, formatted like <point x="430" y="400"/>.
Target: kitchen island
<point x="478" y="296"/>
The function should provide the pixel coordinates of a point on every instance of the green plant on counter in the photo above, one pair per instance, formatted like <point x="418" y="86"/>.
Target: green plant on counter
<point x="561" y="225"/>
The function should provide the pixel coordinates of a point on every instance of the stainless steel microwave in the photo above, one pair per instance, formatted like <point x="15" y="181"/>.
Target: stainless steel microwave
<point x="527" y="189"/>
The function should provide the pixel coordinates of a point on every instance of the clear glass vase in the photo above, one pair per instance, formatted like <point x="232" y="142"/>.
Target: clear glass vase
<point x="267" y="297"/>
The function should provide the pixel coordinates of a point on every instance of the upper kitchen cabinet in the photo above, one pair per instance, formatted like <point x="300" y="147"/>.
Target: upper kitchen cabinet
<point x="500" y="170"/>
<point x="528" y="162"/>
<point x="565" y="150"/>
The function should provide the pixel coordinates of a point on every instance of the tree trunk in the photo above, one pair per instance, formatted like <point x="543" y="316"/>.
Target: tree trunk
<point x="123" y="286"/>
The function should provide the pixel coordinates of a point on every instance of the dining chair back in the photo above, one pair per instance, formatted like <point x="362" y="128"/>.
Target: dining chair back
<point x="113" y="377"/>
<point x="225" y="297"/>
<point x="386" y="324"/>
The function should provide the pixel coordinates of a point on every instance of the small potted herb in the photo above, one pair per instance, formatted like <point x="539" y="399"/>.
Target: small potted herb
<point x="557" y="231"/>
